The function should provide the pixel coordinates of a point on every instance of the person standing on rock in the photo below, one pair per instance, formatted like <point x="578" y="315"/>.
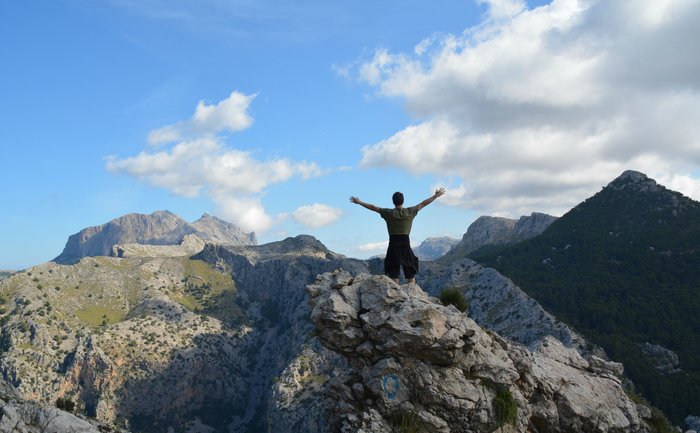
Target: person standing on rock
<point x="398" y="222"/>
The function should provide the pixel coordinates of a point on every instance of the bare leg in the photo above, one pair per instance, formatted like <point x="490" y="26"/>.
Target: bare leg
<point x="396" y="280"/>
<point x="411" y="280"/>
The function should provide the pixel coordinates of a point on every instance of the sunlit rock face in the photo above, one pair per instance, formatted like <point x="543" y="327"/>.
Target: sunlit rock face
<point x="414" y="360"/>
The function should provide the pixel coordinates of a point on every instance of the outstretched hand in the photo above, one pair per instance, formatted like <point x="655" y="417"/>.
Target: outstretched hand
<point x="355" y="200"/>
<point x="439" y="192"/>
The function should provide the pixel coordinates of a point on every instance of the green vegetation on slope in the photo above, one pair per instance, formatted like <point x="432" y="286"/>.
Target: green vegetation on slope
<point x="208" y="291"/>
<point x="96" y="315"/>
<point x="623" y="268"/>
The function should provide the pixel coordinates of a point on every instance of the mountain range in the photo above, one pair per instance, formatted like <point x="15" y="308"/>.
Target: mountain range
<point x="159" y="332"/>
<point x="158" y="228"/>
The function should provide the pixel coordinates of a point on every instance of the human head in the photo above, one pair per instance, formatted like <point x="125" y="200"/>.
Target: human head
<point x="397" y="198"/>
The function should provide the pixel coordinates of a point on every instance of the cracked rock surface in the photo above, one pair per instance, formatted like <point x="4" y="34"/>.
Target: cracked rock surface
<point x="414" y="362"/>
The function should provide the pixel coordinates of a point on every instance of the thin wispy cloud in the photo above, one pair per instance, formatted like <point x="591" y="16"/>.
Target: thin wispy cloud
<point x="241" y="19"/>
<point x="536" y="109"/>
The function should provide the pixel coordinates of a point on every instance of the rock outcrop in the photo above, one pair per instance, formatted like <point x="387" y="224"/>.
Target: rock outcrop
<point x="664" y="360"/>
<point x="489" y="230"/>
<point x="417" y="363"/>
<point x="189" y="245"/>
<point x="158" y="228"/>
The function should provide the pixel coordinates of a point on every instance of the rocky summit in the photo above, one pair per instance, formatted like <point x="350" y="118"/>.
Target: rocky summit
<point x="417" y="365"/>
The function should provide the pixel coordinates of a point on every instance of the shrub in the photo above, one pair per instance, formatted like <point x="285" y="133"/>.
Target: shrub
<point x="65" y="403"/>
<point x="659" y="423"/>
<point x="453" y="296"/>
<point x="505" y="408"/>
<point x="406" y="422"/>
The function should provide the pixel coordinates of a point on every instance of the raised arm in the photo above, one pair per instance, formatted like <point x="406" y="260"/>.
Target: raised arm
<point x="427" y="201"/>
<point x="363" y="204"/>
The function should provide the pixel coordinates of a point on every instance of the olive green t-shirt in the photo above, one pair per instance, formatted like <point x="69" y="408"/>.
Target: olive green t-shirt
<point x="399" y="220"/>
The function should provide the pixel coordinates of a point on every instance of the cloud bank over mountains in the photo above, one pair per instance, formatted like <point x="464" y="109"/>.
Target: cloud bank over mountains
<point x="530" y="110"/>
<point x="535" y="109"/>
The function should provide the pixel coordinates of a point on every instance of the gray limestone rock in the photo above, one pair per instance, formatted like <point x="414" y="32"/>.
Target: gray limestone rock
<point x="663" y="359"/>
<point x="189" y="245"/>
<point x="22" y="416"/>
<point x="420" y="362"/>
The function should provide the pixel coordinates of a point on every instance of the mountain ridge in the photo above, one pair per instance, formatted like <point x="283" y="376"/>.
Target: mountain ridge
<point x="161" y="227"/>
<point x="490" y="230"/>
<point x="623" y="267"/>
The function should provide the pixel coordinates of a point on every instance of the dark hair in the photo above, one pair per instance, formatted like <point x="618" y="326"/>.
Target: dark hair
<point x="397" y="198"/>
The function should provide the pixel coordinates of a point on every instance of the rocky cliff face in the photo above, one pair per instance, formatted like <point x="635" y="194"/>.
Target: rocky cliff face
<point x="416" y="363"/>
<point x="498" y="305"/>
<point x="189" y="245"/>
<point x="158" y="228"/>
<point x="271" y="279"/>
<point x="433" y="248"/>
<point x="488" y="230"/>
<point x="22" y="416"/>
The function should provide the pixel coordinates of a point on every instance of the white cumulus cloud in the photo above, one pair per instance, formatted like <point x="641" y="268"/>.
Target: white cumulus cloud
<point x="316" y="215"/>
<point x="373" y="247"/>
<point x="229" y="114"/>
<point x="200" y="163"/>
<point x="536" y="109"/>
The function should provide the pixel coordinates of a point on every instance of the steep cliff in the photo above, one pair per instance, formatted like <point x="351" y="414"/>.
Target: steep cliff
<point x="416" y="363"/>
<point x="433" y="248"/>
<point x="22" y="416"/>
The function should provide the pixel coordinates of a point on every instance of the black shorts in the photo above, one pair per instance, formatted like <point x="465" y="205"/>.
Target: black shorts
<point x="400" y="255"/>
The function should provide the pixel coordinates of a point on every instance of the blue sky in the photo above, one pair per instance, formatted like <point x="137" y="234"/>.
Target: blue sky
<point x="271" y="114"/>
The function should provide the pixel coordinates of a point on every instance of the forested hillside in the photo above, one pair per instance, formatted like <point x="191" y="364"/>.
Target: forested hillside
<point x="623" y="268"/>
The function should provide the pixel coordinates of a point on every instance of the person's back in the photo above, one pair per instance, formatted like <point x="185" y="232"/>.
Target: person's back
<point x="399" y="221"/>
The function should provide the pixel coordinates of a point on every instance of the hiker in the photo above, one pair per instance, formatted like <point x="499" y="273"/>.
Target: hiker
<point x="398" y="222"/>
